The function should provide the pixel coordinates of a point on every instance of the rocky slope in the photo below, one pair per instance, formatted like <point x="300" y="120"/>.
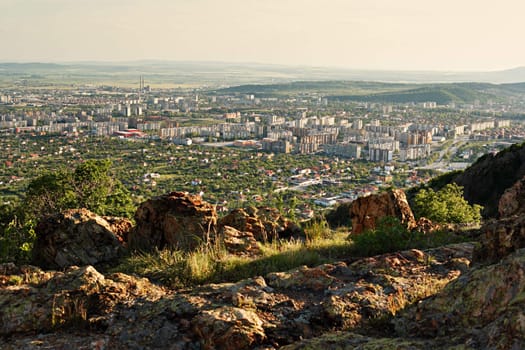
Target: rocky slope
<point x="85" y="309"/>
<point x="462" y="296"/>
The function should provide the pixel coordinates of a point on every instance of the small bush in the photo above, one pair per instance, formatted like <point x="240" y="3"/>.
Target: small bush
<point x="16" y="242"/>
<point x="391" y="235"/>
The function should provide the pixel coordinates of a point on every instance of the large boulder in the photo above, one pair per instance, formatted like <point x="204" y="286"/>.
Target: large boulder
<point x="265" y="224"/>
<point x="78" y="237"/>
<point x="121" y="227"/>
<point x="512" y="201"/>
<point x="175" y="220"/>
<point x="366" y="211"/>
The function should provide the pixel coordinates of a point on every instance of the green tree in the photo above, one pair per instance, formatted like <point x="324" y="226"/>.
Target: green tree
<point x="91" y="185"/>
<point x="446" y="205"/>
<point x="49" y="193"/>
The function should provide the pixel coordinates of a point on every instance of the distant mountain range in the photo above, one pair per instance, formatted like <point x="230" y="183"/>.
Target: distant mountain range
<point x="229" y="74"/>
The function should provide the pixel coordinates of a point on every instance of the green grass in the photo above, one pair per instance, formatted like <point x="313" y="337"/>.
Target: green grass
<point x="213" y="264"/>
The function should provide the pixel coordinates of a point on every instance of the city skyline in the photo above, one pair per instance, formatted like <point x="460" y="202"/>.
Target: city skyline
<point x="376" y="35"/>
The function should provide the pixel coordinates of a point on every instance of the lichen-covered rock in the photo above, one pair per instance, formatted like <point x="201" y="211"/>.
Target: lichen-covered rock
<point x="176" y="220"/>
<point x="229" y="328"/>
<point x="366" y="211"/>
<point x="75" y="237"/>
<point x="78" y="296"/>
<point x="500" y="238"/>
<point x="239" y="243"/>
<point x="485" y="306"/>
<point x="265" y="224"/>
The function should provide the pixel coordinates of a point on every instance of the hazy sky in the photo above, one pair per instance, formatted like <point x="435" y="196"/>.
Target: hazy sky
<point x="370" y="34"/>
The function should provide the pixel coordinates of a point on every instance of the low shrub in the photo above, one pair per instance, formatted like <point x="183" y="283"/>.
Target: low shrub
<point x="391" y="235"/>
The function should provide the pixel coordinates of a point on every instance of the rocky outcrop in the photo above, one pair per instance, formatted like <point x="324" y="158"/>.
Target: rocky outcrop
<point x="175" y="220"/>
<point x="78" y="237"/>
<point x="500" y="238"/>
<point x="366" y="211"/>
<point x="265" y="224"/>
<point x="512" y="202"/>
<point x="485" y="181"/>
<point x="84" y="309"/>
<point x="482" y="309"/>
<point x="229" y="328"/>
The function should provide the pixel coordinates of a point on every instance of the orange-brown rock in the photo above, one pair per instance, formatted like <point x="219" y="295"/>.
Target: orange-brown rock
<point x="366" y="211"/>
<point x="176" y="220"/>
<point x="264" y="223"/>
<point x="77" y="297"/>
<point x="483" y="309"/>
<point x="76" y="237"/>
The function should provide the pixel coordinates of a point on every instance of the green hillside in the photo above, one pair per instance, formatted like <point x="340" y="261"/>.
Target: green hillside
<point x="442" y="94"/>
<point x="384" y="92"/>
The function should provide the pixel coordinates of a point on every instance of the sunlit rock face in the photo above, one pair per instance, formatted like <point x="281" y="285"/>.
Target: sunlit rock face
<point x="366" y="211"/>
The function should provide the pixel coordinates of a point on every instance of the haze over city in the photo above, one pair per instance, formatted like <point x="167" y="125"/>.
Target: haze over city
<point x="450" y="35"/>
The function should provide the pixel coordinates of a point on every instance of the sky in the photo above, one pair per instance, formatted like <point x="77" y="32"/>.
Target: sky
<point x="450" y="35"/>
